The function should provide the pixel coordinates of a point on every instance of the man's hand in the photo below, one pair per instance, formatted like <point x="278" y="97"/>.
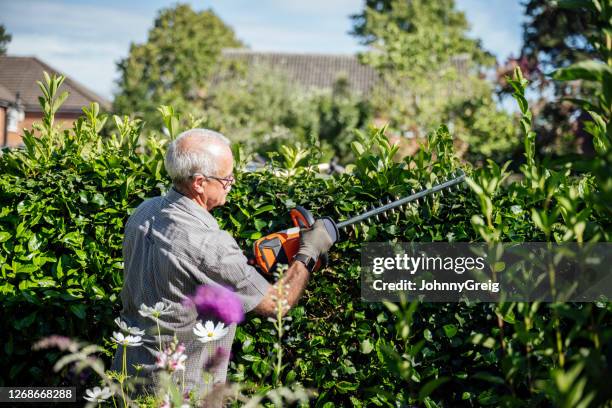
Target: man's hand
<point x="315" y="241"/>
<point x="293" y="282"/>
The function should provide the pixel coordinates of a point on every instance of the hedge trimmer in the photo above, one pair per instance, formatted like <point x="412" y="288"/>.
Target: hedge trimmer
<point x="280" y="247"/>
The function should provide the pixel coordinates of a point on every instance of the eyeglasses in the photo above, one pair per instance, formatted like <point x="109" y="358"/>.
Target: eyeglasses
<point x="226" y="182"/>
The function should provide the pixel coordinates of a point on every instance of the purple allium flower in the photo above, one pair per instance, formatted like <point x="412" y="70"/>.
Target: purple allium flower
<point x="219" y="302"/>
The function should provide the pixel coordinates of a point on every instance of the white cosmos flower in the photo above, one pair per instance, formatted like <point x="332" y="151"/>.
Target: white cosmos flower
<point x="134" y="331"/>
<point x="98" y="395"/>
<point x="128" y="340"/>
<point x="210" y="332"/>
<point x="156" y="311"/>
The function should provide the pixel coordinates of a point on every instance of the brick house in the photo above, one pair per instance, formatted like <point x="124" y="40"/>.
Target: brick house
<point x="19" y="93"/>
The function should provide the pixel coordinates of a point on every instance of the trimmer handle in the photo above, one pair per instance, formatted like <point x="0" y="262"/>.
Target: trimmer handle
<point x="331" y="228"/>
<point x="303" y="218"/>
<point x="281" y="246"/>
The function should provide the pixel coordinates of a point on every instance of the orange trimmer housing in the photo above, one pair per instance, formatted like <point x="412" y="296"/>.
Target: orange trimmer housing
<point x="282" y="246"/>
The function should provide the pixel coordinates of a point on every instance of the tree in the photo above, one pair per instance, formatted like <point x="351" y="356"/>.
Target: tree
<point x="5" y="38"/>
<point x="175" y="65"/>
<point x="556" y="37"/>
<point x="415" y="35"/>
<point x="429" y="66"/>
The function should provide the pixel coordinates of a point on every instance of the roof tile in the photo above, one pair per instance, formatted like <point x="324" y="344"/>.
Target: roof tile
<point x="313" y="70"/>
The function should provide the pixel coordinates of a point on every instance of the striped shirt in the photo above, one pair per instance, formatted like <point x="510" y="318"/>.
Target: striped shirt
<point x="171" y="246"/>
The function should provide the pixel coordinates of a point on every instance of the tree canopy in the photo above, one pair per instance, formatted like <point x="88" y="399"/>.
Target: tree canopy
<point x="431" y="69"/>
<point x="415" y="36"/>
<point x="175" y="65"/>
<point x="556" y="35"/>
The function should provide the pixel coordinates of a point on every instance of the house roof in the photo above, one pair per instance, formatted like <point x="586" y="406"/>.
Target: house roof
<point x="312" y="70"/>
<point x="19" y="74"/>
<point x="6" y="96"/>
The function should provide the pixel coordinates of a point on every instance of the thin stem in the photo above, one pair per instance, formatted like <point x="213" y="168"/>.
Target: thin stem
<point x="556" y="320"/>
<point x="124" y="358"/>
<point x="278" y="324"/>
<point x="594" y="330"/>
<point x="279" y="349"/>
<point x="559" y="341"/>
<point x="158" y="334"/>
<point x="183" y="382"/>
<point x="124" y="374"/>
<point x="528" y="344"/>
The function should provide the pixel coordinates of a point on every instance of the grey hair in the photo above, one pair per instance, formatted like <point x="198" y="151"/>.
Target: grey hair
<point x="181" y="162"/>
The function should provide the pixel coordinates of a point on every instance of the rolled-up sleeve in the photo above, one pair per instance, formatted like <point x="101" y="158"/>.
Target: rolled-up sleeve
<point x="228" y="266"/>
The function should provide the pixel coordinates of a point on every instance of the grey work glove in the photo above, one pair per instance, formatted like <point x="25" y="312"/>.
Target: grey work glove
<point x="315" y="241"/>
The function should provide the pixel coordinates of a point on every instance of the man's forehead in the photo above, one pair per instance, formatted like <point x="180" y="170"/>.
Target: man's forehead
<point x="225" y="160"/>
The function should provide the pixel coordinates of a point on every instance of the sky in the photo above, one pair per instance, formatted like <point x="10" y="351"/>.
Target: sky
<point x="86" y="38"/>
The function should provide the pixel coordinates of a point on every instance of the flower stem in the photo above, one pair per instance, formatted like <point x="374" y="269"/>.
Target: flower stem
<point x="124" y="374"/>
<point x="279" y="329"/>
<point x="158" y="333"/>
<point x="124" y="364"/>
<point x="183" y="383"/>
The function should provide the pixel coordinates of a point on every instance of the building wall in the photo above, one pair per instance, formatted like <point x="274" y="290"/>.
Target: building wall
<point x="63" y="120"/>
<point x="2" y="124"/>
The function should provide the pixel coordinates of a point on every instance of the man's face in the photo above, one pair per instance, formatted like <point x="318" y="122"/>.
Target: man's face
<point x="211" y="189"/>
<point x="216" y="189"/>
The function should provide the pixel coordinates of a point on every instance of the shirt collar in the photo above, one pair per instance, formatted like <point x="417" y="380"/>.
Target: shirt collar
<point x="173" y="196"/>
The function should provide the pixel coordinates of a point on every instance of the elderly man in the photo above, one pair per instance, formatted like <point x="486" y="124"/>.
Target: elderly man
<point x="173" y="244"/>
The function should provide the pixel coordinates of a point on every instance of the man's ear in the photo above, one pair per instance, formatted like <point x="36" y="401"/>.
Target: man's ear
<point x="198" y="184"/>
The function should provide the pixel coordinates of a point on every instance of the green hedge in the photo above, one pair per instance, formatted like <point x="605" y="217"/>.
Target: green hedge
<point x="67" y="195"/>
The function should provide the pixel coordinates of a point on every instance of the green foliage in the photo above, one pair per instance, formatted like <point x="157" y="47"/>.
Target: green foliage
<point x="490" y="133"/>
<point x="67" y="196"/>
<point x="415" y="36"/>
<point x="175" y="65"/>
<point x="262" y="110"/>
<point x="181" y="68"/>
<point x="180" y="65"/>
<point x="597" y="73"/>
<point x="432" y="73"/>
<point x="259" y="108"/>
<point x="556" y="35"/>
